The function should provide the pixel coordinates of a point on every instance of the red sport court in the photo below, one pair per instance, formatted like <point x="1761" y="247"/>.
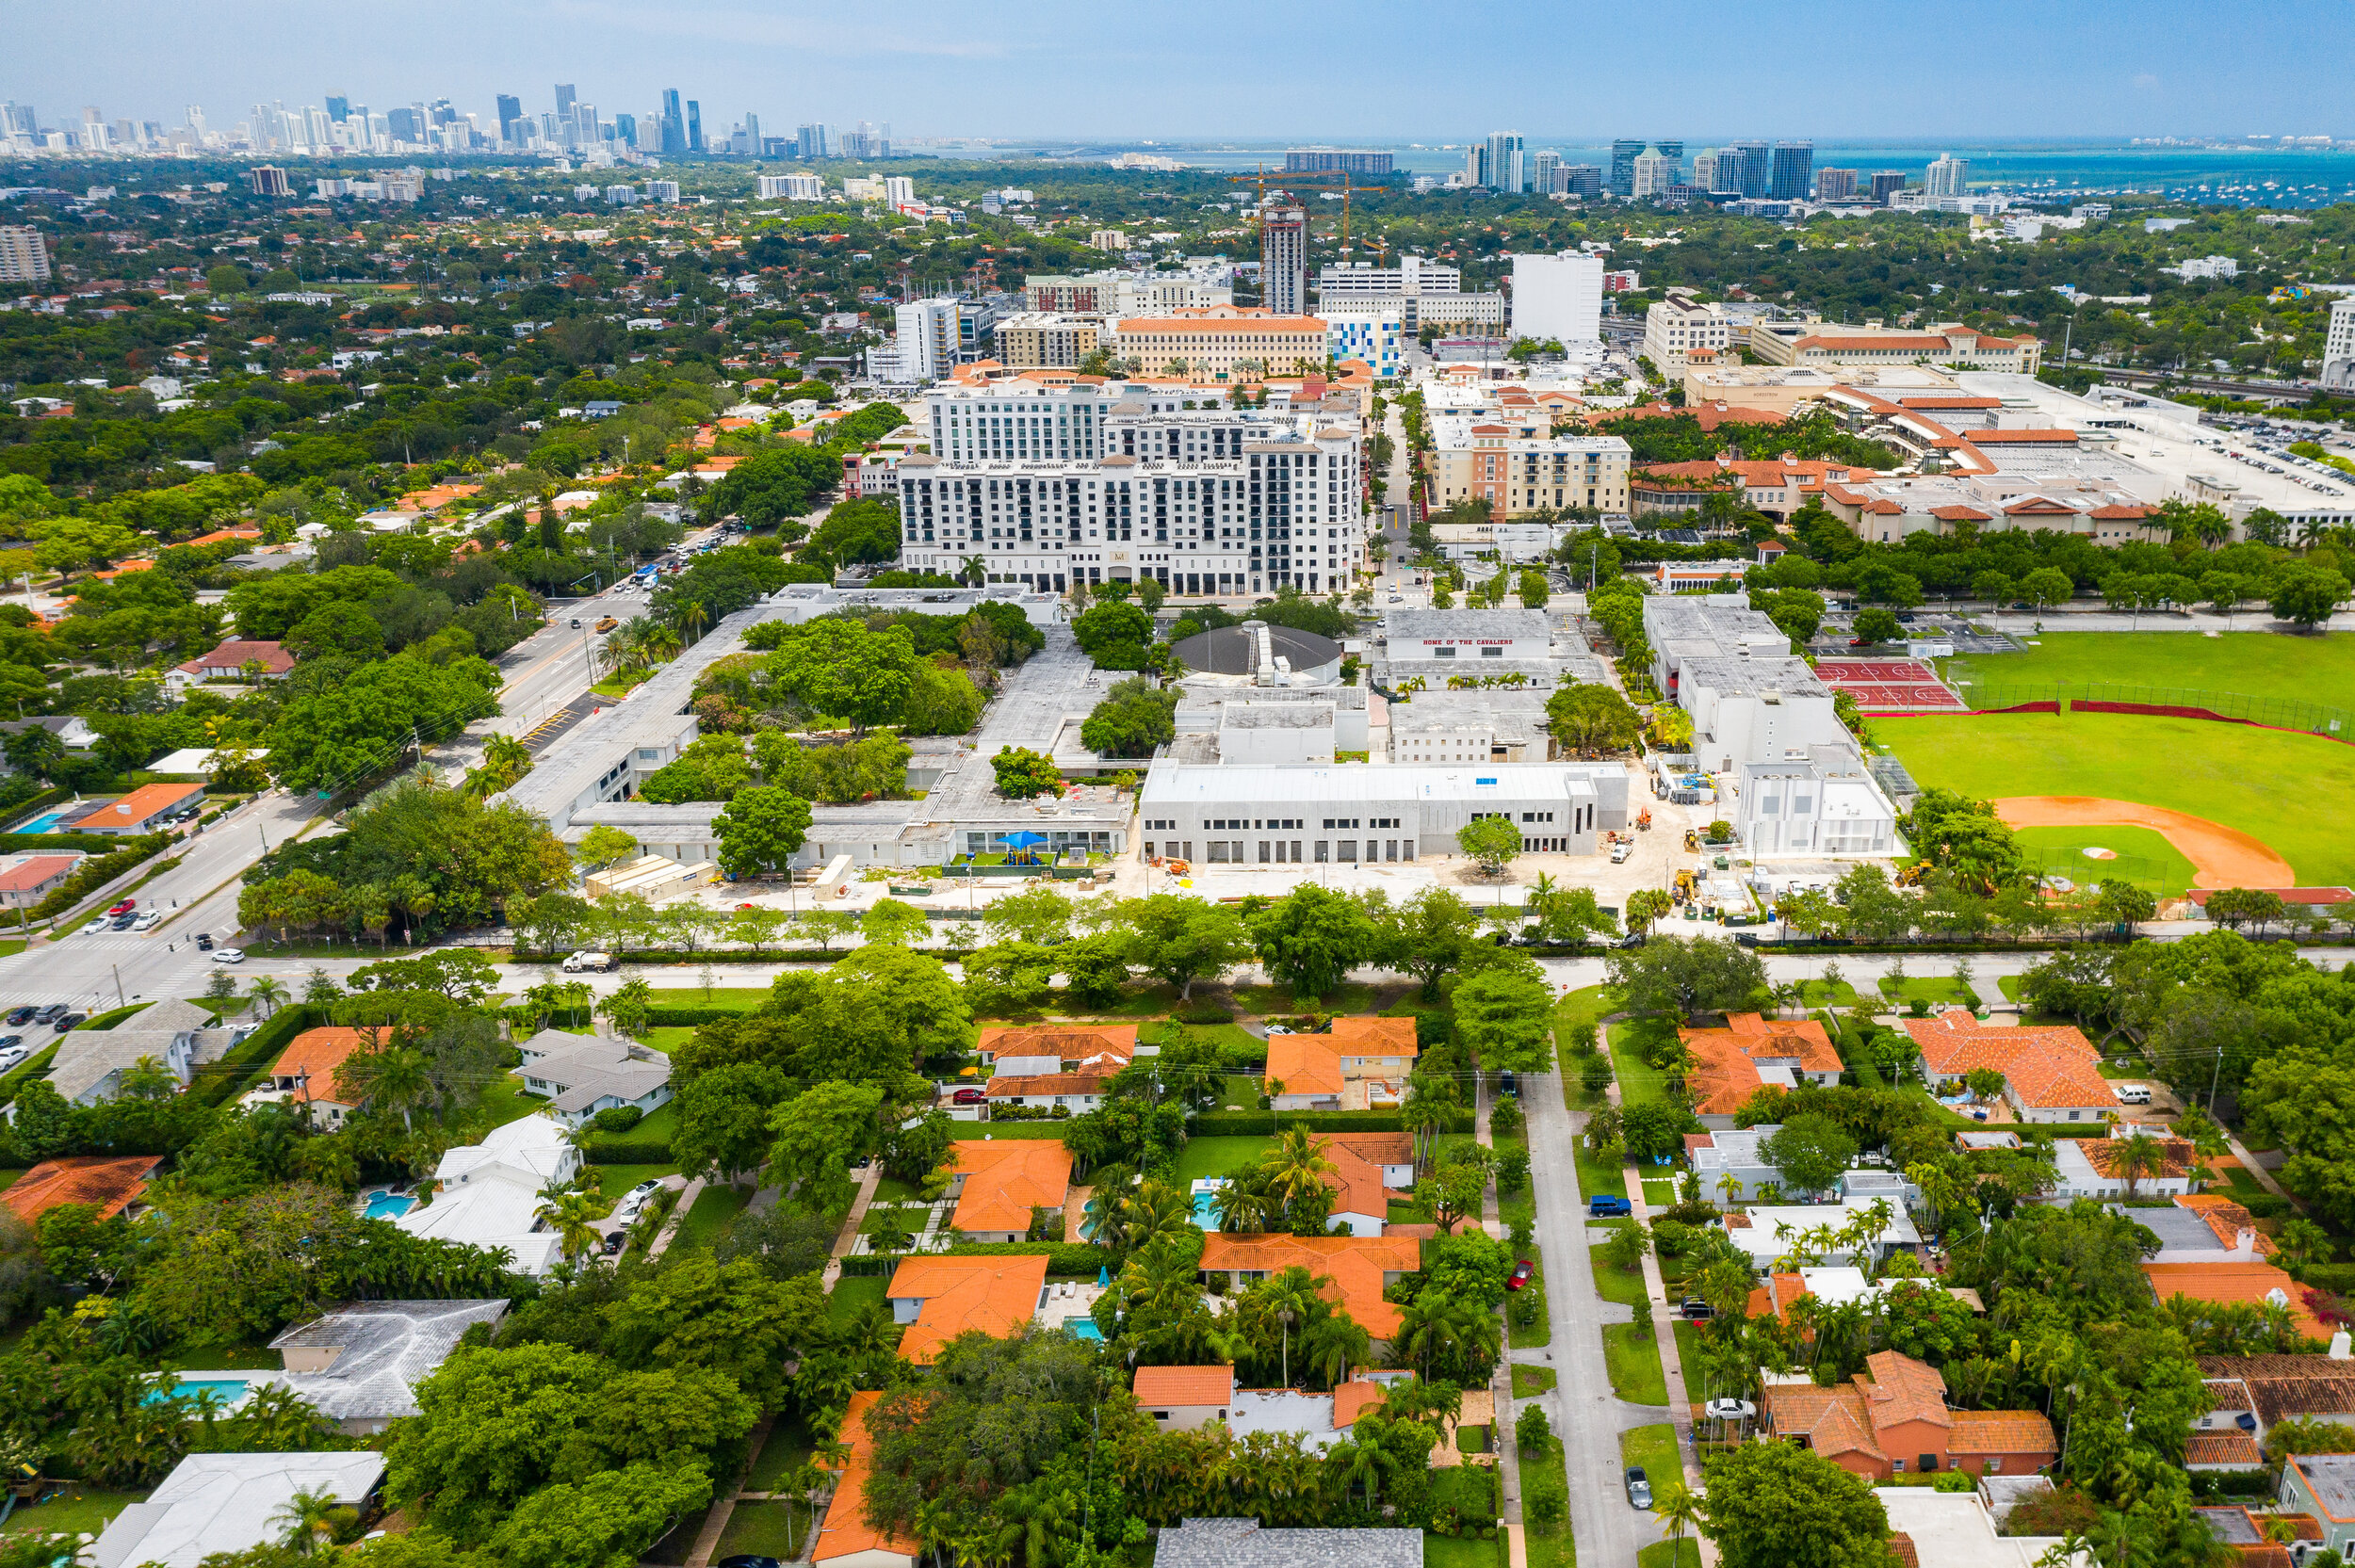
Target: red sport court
<point x="1890" y="686"/>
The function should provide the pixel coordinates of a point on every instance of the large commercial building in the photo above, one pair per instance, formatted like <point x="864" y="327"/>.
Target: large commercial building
<point x="1337" y="160"/>
<point x="1223" y="342"/>
<point x="1949" y="343"/>
<point x="931" y="338"/>
<point x="1681" y="326"/>
<point x="23" y="256"/>
<point x="791" y="187"/>
<point x="1054" y="485"/>
<point x="1375" y="335"/>
<point x="1126" y="293"/>
<point x="1558" y="297"/>
<point x="1623" y="155"/>
<point x="2338" y="348"/>
<point x="1947" y="176"/>
<point x="1284" y="260"/>
<point x="1036" y="340"/>
<point x="1519" y="465"/>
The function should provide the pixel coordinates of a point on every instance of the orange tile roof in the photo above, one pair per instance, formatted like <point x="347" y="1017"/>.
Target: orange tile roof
<point x="2246" y="1283"/>
<point x="147" y="800"/>
<point x="1004" y="1179"/>
<point x="1376" y="1148"/>
<point x="1353" y="1400"/>
<point x="2222" y="1448"/>
<point x="2104" y="1154"/>
<point x="1357" y="1185"/>
<point x="315" y="1055"/>
<point x="1902" y="1550"/>
<point x="1063" y="1042"/>
<point x="996" y="1295"/>
<point x="1355" y="1264"/>
<point x="1725" y="1061"/>
<point x="107" y="1183"/>
<point x="1898" y="1389"/>
<point x="846" y="1530"/>
<point x="1170" y="1388"/>
<point x="2048" y="1065"/>
<point x="1007" y="1086"/>
<point x="1303" y="1063"/>
<point x="2001" y="1431"/>
<point x="1375" y="1037"/>
<point x="1832" y="1419"/>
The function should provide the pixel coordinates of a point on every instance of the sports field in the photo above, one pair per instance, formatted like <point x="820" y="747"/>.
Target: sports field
<point x="2138" y="856"/>
<point x="2257" y="664"/>
<point x="2296" y="793"/>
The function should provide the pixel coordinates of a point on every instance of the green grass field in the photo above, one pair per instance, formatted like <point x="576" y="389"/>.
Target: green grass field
<point x="1215" y="1156"/>
<point x="2144" y="857"/>
<point x="2290" y="791"/>
<point x="1633" y="1357"/>
<point x="2257" y="664"/>
<point x="714" y="1207"/>
<point x="1655" y="1449"/>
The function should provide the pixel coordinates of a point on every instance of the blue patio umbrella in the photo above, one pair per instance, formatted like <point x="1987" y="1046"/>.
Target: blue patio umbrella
<point x="1103" y="1275"/>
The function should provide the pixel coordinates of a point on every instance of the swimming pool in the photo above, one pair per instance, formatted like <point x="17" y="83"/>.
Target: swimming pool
<point x="1082" y="1328"/>
<point x="43" y="823"/>
<point x="388" y="1206"/>
<point x="225" y="1390"/>
<point x="1204" y="1204"/>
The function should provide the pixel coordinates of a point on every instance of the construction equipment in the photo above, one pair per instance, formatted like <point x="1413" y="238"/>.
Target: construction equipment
<point x="1691" y="841"/>
<point x="1643" y="821"/>
<point x="1285" y="182"/>
<point x="1686" y="883"/>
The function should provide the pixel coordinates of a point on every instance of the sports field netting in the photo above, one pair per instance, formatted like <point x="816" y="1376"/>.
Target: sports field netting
<point x="2278" y="713"/>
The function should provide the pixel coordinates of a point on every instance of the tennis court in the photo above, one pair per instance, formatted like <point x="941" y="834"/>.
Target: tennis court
<point x="1890" y="686"/>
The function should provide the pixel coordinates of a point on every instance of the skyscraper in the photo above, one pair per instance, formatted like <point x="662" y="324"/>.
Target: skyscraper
<point x="815" y="140"/>
<point x="1623" y="156"/>
<point x="1541" y="171"/>
<point x="1886" y="181"/>
<point x="1655" y="172"/>
<point x="673" y="123"/>
<point x="565" y="99"/>
<point x="1747" y="171"/>
<point x="751" y="131"/>
<point x="338" y="108"/>
<point x="626" y="129"/>
<point x="1949" y="176"/>
<point x="1835" y="184"/>
<point x="1284" y="260"/>
<point x="1507" y="167"/>
<point x="695" y="126"/>
<point x="511" y="110"/>
<point x="1793" y="170"/>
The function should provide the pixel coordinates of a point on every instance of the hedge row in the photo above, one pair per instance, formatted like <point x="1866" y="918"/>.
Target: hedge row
<point x="234" y="1073"/>
<point x="694" y="1013"/>
<point x="1244" y="1123"/>
<point x="1063" y="1257"/>
<point x="2337" y="1278"/>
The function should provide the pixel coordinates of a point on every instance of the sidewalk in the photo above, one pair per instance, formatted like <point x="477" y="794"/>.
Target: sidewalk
<point x="848" y="1236"/>
<point x="1663" y="1334"/>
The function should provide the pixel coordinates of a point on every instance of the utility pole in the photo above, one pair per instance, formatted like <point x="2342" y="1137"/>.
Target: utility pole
<point x="119" y="1000"/>
<point x="2213" y="1073"/>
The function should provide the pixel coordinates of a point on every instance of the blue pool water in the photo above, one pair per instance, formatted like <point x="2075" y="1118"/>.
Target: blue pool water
<point x="388" y="1206"/>
<point x="42" y="824"/>
<point x="1082" y="1328"/>
<point x="225" y="1390"/>
<point x="1205" y="1211"/>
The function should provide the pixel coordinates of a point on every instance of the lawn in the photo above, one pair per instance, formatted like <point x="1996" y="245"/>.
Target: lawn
<point x="77" y="1511"/>
<point x="667" y="1037"/>
<point x="1835" y="993"/>
<point x="714" y="1207"/>
<point x="2259" y="664"/>
<point x="766" y="1530"/>
<point x="1351" y="997"/>
<point x="1537" y="1335"/>
<point x="1633" y="1357"/>
<point x="1454" y="1551"/>
<point x="2229" y="773"/>
<point x="1598" y="1180"/>
<point x="2142" y="856"/>
<point x="1670" y="1554"/>
<point x="1689" y="1360"/>
<point x="1547" y="1545"/>
<point x="9" y="1178"/>
<point x="1639" y="1082"/>
<point x="1215" y="1156"/>
<point x="1532" y="1380"/>
<point x="1660" y="1191"/>
<point x="788" y="1446"/>
<point x="1936" y="990"/>
<point x="1612" y="1285"/>
<point x="1654" y="1447"/>
<point x="851" y="1294"/>
<point x="505" y="1100"/>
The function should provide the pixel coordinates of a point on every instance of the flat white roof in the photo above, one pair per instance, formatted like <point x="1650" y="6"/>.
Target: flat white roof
<point x="226" y="1503"/>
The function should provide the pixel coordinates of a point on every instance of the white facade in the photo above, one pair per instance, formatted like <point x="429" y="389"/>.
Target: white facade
<point x="2206" y="266"/>
<point x="791" y="187"/>
<point x="1825" y="803"/>
<point x="1681" y="324"/>
<point x="2338" y="349"/>
<point x="1465" y="636"/>
<point x="1948" y="176"/>
<point x="1655" y="172"/>
<point x="1558" y="297"/>
<point x="488" y="1194"/>
<point x="24" y="255"/>
<point x="1371" y="333"/>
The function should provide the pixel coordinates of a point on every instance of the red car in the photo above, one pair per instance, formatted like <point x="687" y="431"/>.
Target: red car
<point x="1523" y="1272"/>
<point x="125" y="906"/>
<point x="969" y="1097"/>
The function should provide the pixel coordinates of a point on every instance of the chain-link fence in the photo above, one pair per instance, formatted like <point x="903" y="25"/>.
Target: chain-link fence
<point x="2280" y="713"/>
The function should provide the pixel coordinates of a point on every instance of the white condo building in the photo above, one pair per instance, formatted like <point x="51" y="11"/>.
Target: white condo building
<point x="1680" y="325"/>
<point x="2338" y="348"/>
<point x="1051" y="485"/>
<point x="1558" y="297"/>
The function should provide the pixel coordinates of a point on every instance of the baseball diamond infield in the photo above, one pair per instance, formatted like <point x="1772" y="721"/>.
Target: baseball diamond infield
<point x="2220" y="856"/>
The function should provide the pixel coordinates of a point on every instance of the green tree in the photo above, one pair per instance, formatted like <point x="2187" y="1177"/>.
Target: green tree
<point x="1494" y="841"/>
<point x="1311" y="938"/>
<point x="1591" y="719"/>
<point x="1809" y="1152"/>
<point x="2305" y="594"/>
<point x="2047" y="586"/>
<point x="1771" y="1505"/>
<point x="1878" y="625"/>
<point x="894" y="923"/>
<point x="761" y="830"/>
<point x="819" y="1136"/>
<point x="602" y="846"/>
<point x="1178" y="939"/>
<point x="1024" y="774"/>
<point x="840" y="667"/>
<point x="1504" y="1018"/>
<point x="1429" y="934"/>
<point x="1135" y="718"/>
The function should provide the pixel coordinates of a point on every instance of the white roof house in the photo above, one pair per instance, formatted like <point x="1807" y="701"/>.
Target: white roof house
<point x="585" y="1074"/>
<point x="361" y="1362"/>
<point x="1954" y="1530"/>
<point x="488" y="1193"/>
<point x="226" y="1503"/>
<point x="1768" y="1232"/>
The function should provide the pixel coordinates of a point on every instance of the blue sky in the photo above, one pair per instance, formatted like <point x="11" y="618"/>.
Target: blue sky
<point x="1376" y="69"/>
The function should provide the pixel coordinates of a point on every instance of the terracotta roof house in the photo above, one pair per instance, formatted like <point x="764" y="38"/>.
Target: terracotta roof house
<point x="1360" y="1268"/>
<point x="2051" y="1074"/>
<point x="2247" y="1395"/>
<point x="1893" y="1418"/>
<point x="1075" y="1044"/>
<point x="2239" y="1284"/>
<point x="138" y="812"/>
<point x="998" y="1183"/>
<point x="940" y="1298"/>
<point x="2095" y="1167"/>
<point x="228" y="663"/>
<point x="1361" y="1191"/>
<point x="1360" y="1064"/>
<point x="1077" y="1092"/>
<point x="1731" y="1064"/>
<point x="846" y="1537"/>
<point x="305" y="1072"/>
<point x="111" y="1184"/>
<point x="1182" y="1398"/>
<point x="26" y="879"/>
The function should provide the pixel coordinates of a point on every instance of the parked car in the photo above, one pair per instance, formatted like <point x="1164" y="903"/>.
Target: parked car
<point x="1731" y="1410"/>
<point x="73" y="1021"/>
<point x="1280" y="1028"/>
<point x="615" y="1242"/>
<point x="1696" y="1309"/>
<point x="969" y="1097"/>
<point x="1523" y="1272"/>
<point x="229" y="955"/>
<point x="576" y="963"/>
<point x="634" y="1199"/>
<point x="147" y="922"/>
<point x="125" y="906"/>
<point x="1508" y="1084"/>
<point x="20" y="1015"/>
<point x="750" y="1562"/>
<point x="1607" y="1207"/>
<point x="1638" y="1487"/>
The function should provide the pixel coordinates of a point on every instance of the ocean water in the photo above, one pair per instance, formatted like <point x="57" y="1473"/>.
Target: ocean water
<point x="2284" y="177"/>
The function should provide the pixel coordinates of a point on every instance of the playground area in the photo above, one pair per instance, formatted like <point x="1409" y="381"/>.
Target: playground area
<point x="1888" y="685"/>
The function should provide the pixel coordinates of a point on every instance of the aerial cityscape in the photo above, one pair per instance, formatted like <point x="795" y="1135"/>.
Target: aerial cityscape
<point x="1086" y="789"/>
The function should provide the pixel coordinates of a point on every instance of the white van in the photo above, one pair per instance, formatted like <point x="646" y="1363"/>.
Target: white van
<point x="2133" y="1094"/>
<point x="576" y="963"/>
<point x="1620" y="853"/>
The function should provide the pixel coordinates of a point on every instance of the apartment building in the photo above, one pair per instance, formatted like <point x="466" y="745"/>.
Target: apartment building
<point x="24" y="255"/>
<point x="1558" y="297"/>
<point x="1950" y="343"/>
<point x="1519" y="465"/>
<point x="791" y="187"/>
<point x="1051" y="486"/>
<point x="1037" y="340"/>
<point x="1420" y="291"/>
<point x="1221" y="343"/>
<point x="2338" y="346"/>
<point x="1372" y="334"/>
<point x="1124" y="293"/>
<point x="1680" y="325"/>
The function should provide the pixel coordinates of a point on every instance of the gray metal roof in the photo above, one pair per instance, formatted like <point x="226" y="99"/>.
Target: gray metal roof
<point x="1243" y="1543"/>
<point x="1519" y="624"/>
<point x="383" y="1351"/>
<point x="226" y="1503"/>
<point x="1228" y="650"/>
<point x="1349" y="783"/>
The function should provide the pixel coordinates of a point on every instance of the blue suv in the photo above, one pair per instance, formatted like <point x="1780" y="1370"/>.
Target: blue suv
<point x="1608" y="1208"/>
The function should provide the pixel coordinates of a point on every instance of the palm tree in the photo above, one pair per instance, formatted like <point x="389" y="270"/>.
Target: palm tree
<point x="1729" y="1189"/>
<point x="395" y="1076"/>
<point x="1674" y="1504"/>
<point x="1290" y="1296"/>
<point x="266" y="993"/>
<point x="506" y="759"/>
<point x="1297" y="1165"/>
<point x="692" y="618"/>
<point x="2139" y="1157"/>
<point x="1334" y="1345"/>
<point x="572" y="1214"/>
<point x="309" y="1514"/>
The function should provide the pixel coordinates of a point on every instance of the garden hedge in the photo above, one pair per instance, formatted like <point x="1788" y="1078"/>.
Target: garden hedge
<point x="1245" y="1123"/>
<point x="233" y="1074"/>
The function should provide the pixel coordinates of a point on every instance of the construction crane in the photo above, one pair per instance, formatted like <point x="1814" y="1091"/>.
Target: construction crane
<point x="1285" y="181"/>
